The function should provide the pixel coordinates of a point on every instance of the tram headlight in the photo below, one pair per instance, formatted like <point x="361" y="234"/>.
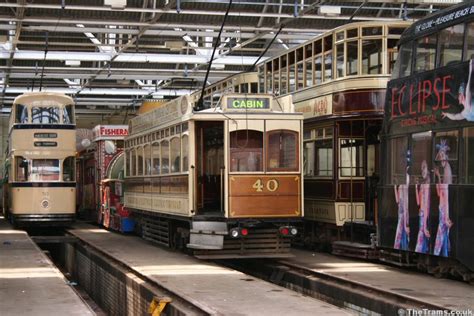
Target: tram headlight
<point x="293" y="231"/>
<point x="234" y="233"/>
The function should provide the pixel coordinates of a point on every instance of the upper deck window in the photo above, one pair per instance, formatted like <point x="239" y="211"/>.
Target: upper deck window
<point x="425" y="53"/>
<point x="45" y="115"/>
<point x="282" y="152"/>
<point x="21" y="113"/>
<point x="403" y="64"/>
<point x="45" y="170"/>
<point x="68" y="114"/>
<point x="451" y="44"/>
<point x="470" y="42"/>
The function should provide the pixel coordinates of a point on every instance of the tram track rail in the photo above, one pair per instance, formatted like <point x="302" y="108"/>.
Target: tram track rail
<point x="336" y="290"/>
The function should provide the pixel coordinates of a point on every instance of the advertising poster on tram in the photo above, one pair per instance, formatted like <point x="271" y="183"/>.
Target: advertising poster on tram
<point x="429" y="126"/>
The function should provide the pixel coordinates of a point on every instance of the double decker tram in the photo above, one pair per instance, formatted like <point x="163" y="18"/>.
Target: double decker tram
<point x="39" y="187"/>
<point x="225" y="181"/>
<point x="426" y="212"/>
<point x="338" y="81"/>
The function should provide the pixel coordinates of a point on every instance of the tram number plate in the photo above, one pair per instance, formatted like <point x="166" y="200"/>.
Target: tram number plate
<point x="271" y="185"/>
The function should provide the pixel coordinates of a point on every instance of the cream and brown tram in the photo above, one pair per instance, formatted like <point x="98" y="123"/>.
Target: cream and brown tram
<point x="225" y="181"/>
<point x="39" y="187"/>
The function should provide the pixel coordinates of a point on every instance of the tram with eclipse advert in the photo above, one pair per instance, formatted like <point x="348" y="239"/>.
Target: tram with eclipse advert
<point x="224" y="181"/>
<point x="39" y="187"/>
<point x="427" y="185"/>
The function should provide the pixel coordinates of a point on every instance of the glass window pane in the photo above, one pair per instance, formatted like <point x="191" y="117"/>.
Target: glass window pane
<point x="339" y="60"/>
<point x="469" y="154"/>
<point x="45" y="115"/>
<point x="446" y="157"/>
<point x="308" y="159"/>
<point x="470" y="42"/>
<point x="140" y="161"/>
<point x="165" y="157"/>
<point x="45" y="170"/>
<point x="324" y="161"/>
<point x="300" y="73"/>
<point x="155" y="151"/>
<point x="147" y="156"/>
<point x="398" y="160"/>
<point x="268" y="82"/>
<point x="284" y="81"/>
<point x="21" y="114"/>
<point x="69" y="169"/>
<point x="425" y="53"/>
<point x="68" y="114"/>
<point x="372" y="31"/>
<point x="291" y="78"/>
<point x="185" y="152"/>
<point x="246" y="150"/>
<point x="352" y="33"/>
<point x="327" y="66"/>
<point x="403" y="63"/>
<point x="371" y="57"/>
<point x="21" y="169"/>
<point x="451" y="44"/>
<point x="392" y="51"/>
<point x="282" y="153"/>
<point x="351" y="157"/>
<point x="318" y="70"/>
<point x="352" y="60"/>
<point x="309" y="72"/>
<point x="128" y="161"/>
<point x="134" y="163"/>
<point x="176" y="154"/>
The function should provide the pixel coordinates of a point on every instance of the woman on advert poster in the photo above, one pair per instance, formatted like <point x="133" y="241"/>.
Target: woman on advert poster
<point x="442" y="244"/>
<point x="423" y="201"/>
<point x="465" y="98"/>
<point x="402" y="236"/>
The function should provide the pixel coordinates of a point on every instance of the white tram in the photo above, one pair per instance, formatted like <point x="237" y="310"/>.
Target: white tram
<point x="39" y="185"/>
<point x="225" y="181"/>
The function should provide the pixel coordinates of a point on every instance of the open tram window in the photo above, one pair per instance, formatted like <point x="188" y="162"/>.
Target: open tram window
<point x="68" y="114"/>
<point x="21" y="169"/>
<point x="246" y="151"/>
<point x="45" y="170"/>
<point x="469" y="42"/>
<point x="351" y="157"/>
<point x="21" y="113"/>
<point x="446" y="156"/>
<point x="425" y="56"/>
<point x="451" y="44"/>
<point x="45" y="115"/>
<point x="69" y="169"/>
<point x="282" y="151"/>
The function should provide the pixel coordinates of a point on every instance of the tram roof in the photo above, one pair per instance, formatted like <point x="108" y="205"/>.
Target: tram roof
<point x="43" y="99"/>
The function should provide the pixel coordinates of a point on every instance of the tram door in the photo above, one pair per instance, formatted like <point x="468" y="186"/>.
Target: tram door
<point x="210" y="167"/>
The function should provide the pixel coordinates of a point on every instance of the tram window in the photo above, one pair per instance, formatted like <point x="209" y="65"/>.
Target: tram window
<point x="327" y="66"/>
<point x="403" y="64"/>
<point x="45" y="170"/>
<point x="68" y="114"/>
<point x="300" y="76"/>
<point x="185" y="127"/>
<point x="253" y="87"/>
<point x="318" y="70"/>
<point x="140" y="161"/>
<point x="69" y="171"/>
<point x="21" y="113"/>
<point x="351" y="157"/>
<point x="352" y="33"/>
<point x="175" y="154"/>
<point x="155" y="150"/>
<point x="134" y="163"/>
<point x="451" y="44"/>
<point x="396" y="30"/>
<point x="421" y="153"/>
<point x="371" y="57"/>
<point x="45" y="115"/>
<point x="165" y="157"/>
<point x="299" y="54"/>
<point x="352" y="58"/>
<point x="470" y="42"/>
<point x="246" y="150"/>
<point x="340" y="36"/>
<point x="397" y="160"/>
<point x="21" y="169"/>
<point x="469" y="155"/>
<point x="372" y="31"/>
<point x="308" y="50"/>
<point x="284" y="80"/>
<point x="392" y="52"/>
<point x="309" y="72"/>
<point x="425" y="53"/>
<point x="147" y="158"/>
<point x="276" y="82"/>
<point x="268" y="76"/>
<point x="291" y="78"/>
<point x="339" y="60"/>
<point x="261" y="79"/>
<point x="127" y="163"/>
<point x="446" y="156"/>
<point x="185" y="151"/>
<point x="282" y="151"/>
<point x="308" y="159"/>
<point x="244" y="88"/>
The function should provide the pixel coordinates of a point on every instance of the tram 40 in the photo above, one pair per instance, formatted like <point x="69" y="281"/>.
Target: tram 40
<point x="224" y="181"/>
